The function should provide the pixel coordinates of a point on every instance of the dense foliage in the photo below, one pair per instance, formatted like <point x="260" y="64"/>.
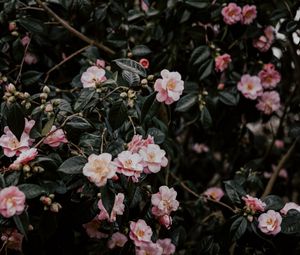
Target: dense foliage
<point x="149" y="127"/>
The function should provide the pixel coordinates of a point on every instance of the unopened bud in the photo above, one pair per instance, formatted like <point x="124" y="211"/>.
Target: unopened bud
<point x="43" y="96"/>
<point x="150" y="77"/>
<point x="11" y="99"/>
<point x="123" y="94"/>
<point x="129" y="55"/>
<point x="131" y="93"/>
<point x="12" y="26"/>
<point x="11" y="88"/>
<point x="55" y="207"/>
<point x="26" y="168"/>
<point x="14" y="33"/>
<point x="144" y="81"/>
<point x="26" y="95"/>
<point x="27" y="105"/>
<point x="46" y="90"/>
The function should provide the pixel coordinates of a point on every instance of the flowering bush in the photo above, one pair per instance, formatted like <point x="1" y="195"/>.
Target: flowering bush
<point x="149" y="127"/>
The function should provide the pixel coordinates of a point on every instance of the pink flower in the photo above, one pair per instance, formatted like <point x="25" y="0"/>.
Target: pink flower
<point x="129" y="164"/>
<point x="92" y="229"/>
<point x="149" y="249"/>
<point x="269" y="77"/>
<point x="282" y="173"/>
<point x="118" y="209"/>
<point x="254" y="204"/>
<point x="264" y="42"/>
<point x="99" y="168"/>
<point x="93" y="76"/>
<point x="279" y="144"/>
<point x="11" y="145"/>
<point x="100" y="63"/>
<point x="250" y="86"/>
<point x="249" y="14"/>
<point x="55" y="137"/>
<point x="13" y="239"/>
<point x="25" y="157"/>
<point x="222" y="62"/>
<point x="270" y="222"/>
<point x="25" y="40"/>
<point x="221" y="86"/>
<point x="290" y="206"/>
<point x="214" y="193"/>
<point x="140" y="232"/>
<point x="12" y="201"/>
<point x="169" y="88"/>
<point x="269" y="102"/>
<point x="30" y="58"/>
<point x="231" y="14"/>
<point x="144" y="62"/>
<point x="165" y="221"/>
<point x="200" y="148"/>
<point x="153" y="158"/>
<point x="137" y="142"/>
<point x="167" y="246"/>
<point x="12" y="26"/>
<point x="117" y="239"/>
<point x="164" y="202"/>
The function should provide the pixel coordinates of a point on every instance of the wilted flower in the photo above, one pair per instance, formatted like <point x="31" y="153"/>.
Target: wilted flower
<point x="250" y="86"/>
<point x="270" y="222"/>
<point x="231" y="14"/>
<point x="269" y="102"/>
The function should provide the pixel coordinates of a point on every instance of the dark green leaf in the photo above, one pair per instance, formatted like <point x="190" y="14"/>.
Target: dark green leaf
<point x="84" y="98"/>
<point x="273" y="203"/>
<point x="131" y="78"/>
<point x="291" y="223"/>
<point x="22" y="223"/>
<point x="73" y="165"/>
<point x="206" y="119"/>
<point x="15" y="119"/>
<point x="48" y="126"/>
<point x="238" y="228"/>
<point x="158" y="135"/>
<point x="197" y="4"/>
<point x="108" y="198"/>
<point x="131" y="65"/>
<point x="228" y="98"/>
<point x="31" y="190"/>
<point x="31" y="77"/>
<point x="186" y="102"/>
<point x="206" y="69"/>
<point x="32" y="25"/>
<point x="117" y="115"/>
<point x="234" y="191"/>
<point x="140" y="51"/>
<point x="147" y="105"/>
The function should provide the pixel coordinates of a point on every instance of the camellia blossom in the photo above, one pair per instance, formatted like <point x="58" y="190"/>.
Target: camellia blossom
<point x="92" y="229"/>
<point x="165" y="220"/>
<point x="140" y="232"/>
<point x="249" y="14"/>
<point x="144" y="62"/>
<point x="169" y="88"/>
<point x="149" y="249"/>
<point x="129" y="164"/>
<point x="250" y="86"/>
<point x="13" y="239"/>
<point x="99" y="168"/>
<point x="93" y="76"/>
<point x="153" y="158"/>
<point x="24" y="158"/>
<point x="12" y="201"/>
<point x="118" y="209"/>
<point x="231" y="14"/>
<point x="164" y="202"/>
<point x="269" y="77"/>
<point x="137" y="142"/>
<point x="264" y="42"/>
<point x="167" y="246"/>
<point x="200" y="148"/>
<point x="289" y="206"/>
<point x="117" y="240"/>
<point x="11" y="145"/>
<point x="254" y="204"/>
<point x="269" y="102"/>
<point x="222" y="62"/>
<point x="56" y="137"/>
<point x="214" y="193"/>
<point x="30" y="58"/>
<point x="270" y="222"/>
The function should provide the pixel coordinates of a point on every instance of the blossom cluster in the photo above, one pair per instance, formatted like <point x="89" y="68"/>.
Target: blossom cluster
<point x="233" y="14"/>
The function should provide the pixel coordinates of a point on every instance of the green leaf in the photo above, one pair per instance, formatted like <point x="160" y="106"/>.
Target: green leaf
<point x="48" y="126"/>
<point x="206" y="69"/>
<point x="15" y="119"/>
<point x="136" y="197"/>
<point x="147" y="105"/>
<point x="200" y="54"/>
<point x="186" y="102"/>
<point x="234" y="191"/>
<point x="140" y="50"/>
<point x="131" y="78"/>
<point x="32" y="25"/>
<point x="159" y="136"/>
<point x="31" y="77"/>
<point x="228" y="98"/>
<point x="31" y="190"/>
<point x="22" y="223"/>
<point x="197" y="4"/>
<point x="79" y="123"/>
<point x="273" y="203"/>
<point x="205" y="118"/>
<point x="238" y="228"/>
<point x="291" y="26"/>
<point x="85" y="97"/>
<point x="131" y="65"/>
<point x="73" y="165"/>
<point x="117" y="115"/>
<point x="108" y="198"/>
<point x="291" y="223"/>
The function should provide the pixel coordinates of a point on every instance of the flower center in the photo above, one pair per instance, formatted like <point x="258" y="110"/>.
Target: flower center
<point x="128" y="163"/>
<point x="250" y="86"/>
<point x="140" y="233"/>
<point x="151" y="156"/>
<point x="14" y="143"/>
<point x="171" y="85"/>
<point x="270" y="221"/>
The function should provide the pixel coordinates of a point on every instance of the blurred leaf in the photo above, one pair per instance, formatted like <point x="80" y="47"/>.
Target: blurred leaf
<point x="73" y="165"/>
<point x="158" y="135"/>
<point x="132" y="79"/>
<point x="234" y="191"/>
<point x="228" y="98"/>
<point x="206" y="119"/>
<point x="238" y="228"/>
<point x="186" y="102"/>
<point x="108" y="198"/>
<point x="197" y="4"/>
<point x="31" y="190"/>
<point x="291" y="223"/>
<point x="273" y="203"/>
<point x="22" y="223"/>
<point x="31" y="77"/>
<point x="147" y="105"/>
<point x="85" y="97"/>
<point x="140" y="51"/>
<point x="32" y="25"/>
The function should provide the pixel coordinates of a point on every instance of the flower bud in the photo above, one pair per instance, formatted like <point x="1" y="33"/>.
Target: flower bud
<point x="26" y="168"/>
<point x="55" y="207"/>
<point x="131" y="93"/>
<point x="12" y="26"/>
<point x="43" y="96"/>
<point x="11" y="88"/>
<point x="123" y="94"/>
<point x="129" y="55"/>
<point x="26" y="95"/>
<point x="27" y="105"/>
<point x="144" y="82"/>
<point x="14" y="33"/>
<point x="46" y="90"/>
<point x="11" y="99"/>
<point x="150" y="77"/>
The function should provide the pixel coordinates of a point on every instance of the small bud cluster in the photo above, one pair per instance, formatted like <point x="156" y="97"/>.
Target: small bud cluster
<point x="48" y="203"/>
<point x="12" y="95"/>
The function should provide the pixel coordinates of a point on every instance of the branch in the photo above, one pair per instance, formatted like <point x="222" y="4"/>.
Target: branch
<point x="277" y="170"/>
<point x="74" y="31"/>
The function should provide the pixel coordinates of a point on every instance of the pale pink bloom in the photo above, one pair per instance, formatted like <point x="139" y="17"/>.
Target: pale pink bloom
<point x="93" y="76"/>
<point x="137" y="142"/>
<point x="164" y="202"/>
<point x="269" y="102"/>
<point x="153" y="158"/>
<point x="264" y="42"/>
<point x="165" y="221"/>
<point x="117" y="240"/>
<point x="92" y="229"/>
<point x="99" y="168"/>
<point x="290" y="206"/>
<point x="200" y="148"/>
<point x="129" y="164"/>
<point x="144" y="62"/>
<point x="250" y="86"/>
<point x="222" y="62"/>
<point x="270" y="222"/>
<point x="231" y="14"/>
<point x="55" y="137"/>
<point x="24" y="158"/>
<point x="118" y="209"/>
<point x="30" y="58"/>
<point x="254" y="204"/>
<point x="249" y="14"/>
<point x="25" y="40"/>
<point x="167" y="246"/>
<point x="100" y="63"/>
<point x="279" y="144"/>
<point x="269" y="77"/>
<point x="11" y="145"/>
<point x="149" y="249"/>
<point x="169" y="88"/>
<point x="140" y="232"/>
<point x="12" y="201"/>
<point x="214" y="193"/>
<point x="13" y="239"/>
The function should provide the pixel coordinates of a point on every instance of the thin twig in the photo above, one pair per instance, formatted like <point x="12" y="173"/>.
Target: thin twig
<point x="22" y="63"/>
<point x="132" y="123"/>
<point x="74" y="31"/>
<point x="281" y="163"/>
<point x="102" y="139"/>
<point x="64" y="61"/>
